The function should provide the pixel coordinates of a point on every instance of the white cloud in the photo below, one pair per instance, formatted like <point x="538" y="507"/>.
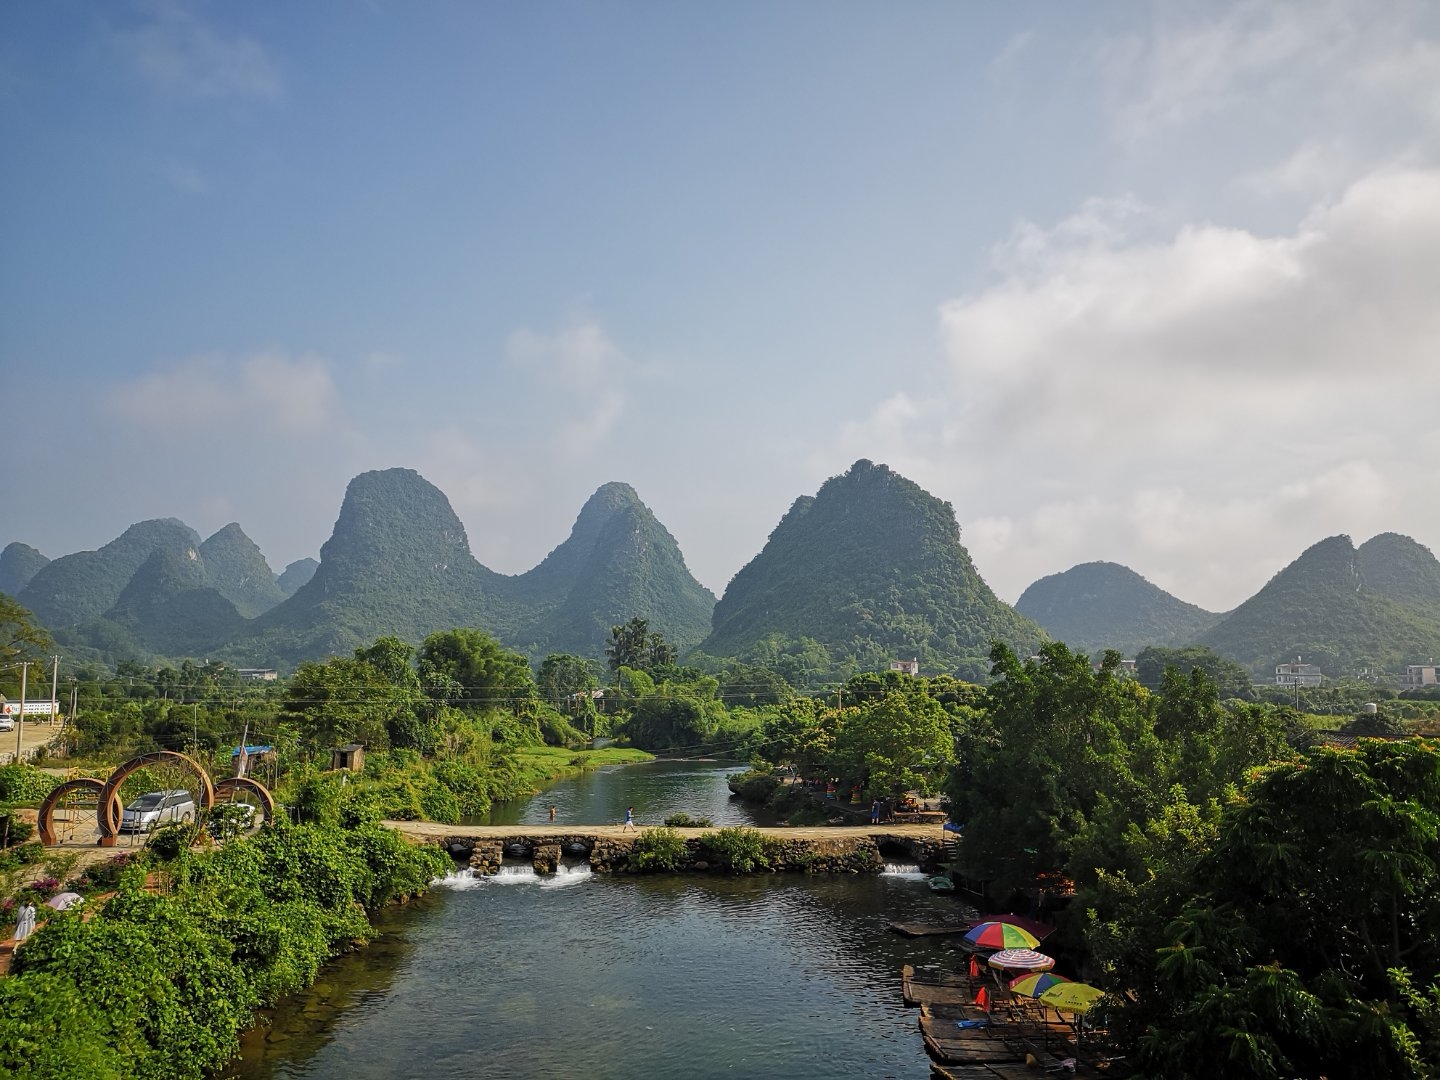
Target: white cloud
<point x="1200" y="408"/>
<point x="265" y="391"/>
<point x="581" y="363"/>
<point x="176" y="51"/>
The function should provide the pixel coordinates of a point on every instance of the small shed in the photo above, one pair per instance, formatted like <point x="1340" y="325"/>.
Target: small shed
<point x="351" y="756"/>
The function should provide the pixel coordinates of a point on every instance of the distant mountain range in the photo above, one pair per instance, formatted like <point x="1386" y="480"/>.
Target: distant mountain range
<point x="1349" y="611"/>
<point x="398" y="562"/>
<point x="868" y="570"/>
<point x="1346" y="610"/>
<point x="1102" y="605"/>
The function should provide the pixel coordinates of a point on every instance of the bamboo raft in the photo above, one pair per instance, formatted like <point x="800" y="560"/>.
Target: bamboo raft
<point x="1014" y="1039"/>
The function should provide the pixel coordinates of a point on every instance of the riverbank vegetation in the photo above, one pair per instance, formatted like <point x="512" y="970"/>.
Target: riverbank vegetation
<point x="158" y="978"/>
<point x="1259" y="901"/>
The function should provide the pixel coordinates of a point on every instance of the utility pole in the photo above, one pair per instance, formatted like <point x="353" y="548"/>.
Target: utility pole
<point x="54" y="685"/>
<point x="20" y="725"/>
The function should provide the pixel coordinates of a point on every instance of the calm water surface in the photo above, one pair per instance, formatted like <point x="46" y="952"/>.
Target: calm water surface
<point x="599" y="976"/>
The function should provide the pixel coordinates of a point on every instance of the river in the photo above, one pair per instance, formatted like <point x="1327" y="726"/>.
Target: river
<point x="599" y="976"/>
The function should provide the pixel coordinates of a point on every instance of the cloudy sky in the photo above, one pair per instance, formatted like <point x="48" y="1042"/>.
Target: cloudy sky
<point x="1152" y="283"/>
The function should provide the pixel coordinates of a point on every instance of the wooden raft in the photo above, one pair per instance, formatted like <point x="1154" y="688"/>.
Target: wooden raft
<point x="915" y="929"/>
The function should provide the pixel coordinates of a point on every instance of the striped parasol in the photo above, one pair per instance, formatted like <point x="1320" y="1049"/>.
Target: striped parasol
<point x="1022" y="960"/>
<point x="1000" y="935"/>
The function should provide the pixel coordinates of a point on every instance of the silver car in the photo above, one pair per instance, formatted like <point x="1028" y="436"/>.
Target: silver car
<point x="157" y="808"/>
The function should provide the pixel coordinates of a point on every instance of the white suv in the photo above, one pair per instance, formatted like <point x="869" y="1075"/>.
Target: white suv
<point x="156" y="808"/>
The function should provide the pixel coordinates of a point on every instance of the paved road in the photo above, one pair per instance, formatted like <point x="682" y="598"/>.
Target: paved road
<point x="35" y="734"/>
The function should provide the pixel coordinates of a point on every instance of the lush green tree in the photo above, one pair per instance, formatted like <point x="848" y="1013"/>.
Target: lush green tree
<point x="469" y="669"/>
<point x="22" y="639"/>
<point x="1056" y="743"/>
<point x="897" y="743"/>
<point x="1308" y="939"/>
<point x="750" y="686"/>
<point x="1231" y="680"/>
<point x="673" y="719"/>
<point x="392" y="658"/>
<point x="562" y="676"/>
<point x="343" y="700"/>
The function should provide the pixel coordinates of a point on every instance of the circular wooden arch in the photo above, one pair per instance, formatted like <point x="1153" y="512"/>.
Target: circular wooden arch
<point x="109" y="810"/>
<point x="45" y="818"/>
<point x="233" y="785"/>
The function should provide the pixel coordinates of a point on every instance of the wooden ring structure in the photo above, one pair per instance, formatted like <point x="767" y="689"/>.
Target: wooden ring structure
<point x="45" y="819"/>
<point x="108" y="812"/>
<point x="233" y="785"/>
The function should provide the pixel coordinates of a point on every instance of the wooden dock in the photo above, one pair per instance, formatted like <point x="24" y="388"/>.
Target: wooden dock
<point x="1015" y="1038"/>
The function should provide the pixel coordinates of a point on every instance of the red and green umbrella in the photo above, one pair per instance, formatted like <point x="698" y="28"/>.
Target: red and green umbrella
<point x="1001" y="935"/>
<point x="1036" y="983"/>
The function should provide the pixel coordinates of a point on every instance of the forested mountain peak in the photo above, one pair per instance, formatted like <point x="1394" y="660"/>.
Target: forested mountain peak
<point x="619" y="562"/>
<point x="296" y="574"/>
<point x="1402" y="569"/>
<point x="75" y="588"/>
<point x="1338" y="609"/>
<point x="238" y="571"/>
<point x="871" y="567"/>
<point x="169" y="606"/>
<point x="18" y="564"/>
<point x="1103" y="605"/>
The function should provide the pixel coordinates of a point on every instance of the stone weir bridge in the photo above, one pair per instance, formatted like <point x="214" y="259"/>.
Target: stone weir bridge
<point x="607" y="848"/>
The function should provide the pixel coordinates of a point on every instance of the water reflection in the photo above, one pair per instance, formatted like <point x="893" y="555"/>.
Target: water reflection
<point x="600" y="976"/>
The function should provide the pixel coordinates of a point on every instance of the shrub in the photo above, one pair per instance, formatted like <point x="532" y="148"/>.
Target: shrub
<point x="683" y="820"/>
<point x="25" y="784"/>
<point x="743" y="850"/>
<point x="659" y="849"/>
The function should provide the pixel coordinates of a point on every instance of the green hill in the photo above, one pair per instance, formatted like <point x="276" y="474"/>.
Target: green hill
<point x="77" y="588"/>
<point x="1102" y="605"/>
<point x="1339" y="609"/>
<point x="398" y="562"/>
<point x="618" y="562"/>
<point x="237" y="570"/>
<point x="871" y="567"/>
<point x="296" y="574"/>
<point x="169" y="609"/>
<point x="18" y="564"/>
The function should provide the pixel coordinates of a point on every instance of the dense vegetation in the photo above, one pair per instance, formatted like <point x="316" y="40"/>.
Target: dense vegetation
<point x="871" y="569"/>
<point x="398" y="563"/>
<point x="161" y="980"/>
<point x="1352" y="613"/>
<point x="1101" y="605"/>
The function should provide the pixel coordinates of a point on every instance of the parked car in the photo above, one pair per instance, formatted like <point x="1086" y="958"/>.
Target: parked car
<point x="158" y="808"/>
<point x="231" y="819"/>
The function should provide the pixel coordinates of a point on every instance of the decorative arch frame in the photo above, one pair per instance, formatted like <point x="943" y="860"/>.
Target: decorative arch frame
<point x="252" y="787"/>
<point x="45" y="818"/>
<point x="109" y="810"/>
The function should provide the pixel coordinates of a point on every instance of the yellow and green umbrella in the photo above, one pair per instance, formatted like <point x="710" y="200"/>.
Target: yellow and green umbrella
<point x="1073" y="997"/>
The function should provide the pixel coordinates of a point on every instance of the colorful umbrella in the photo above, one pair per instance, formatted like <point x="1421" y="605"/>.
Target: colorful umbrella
<point x="1022" y="960"/>
<point x="1000" y="935"/>
<point x="1072" y="997"/>
<point x="1036" y="983"/>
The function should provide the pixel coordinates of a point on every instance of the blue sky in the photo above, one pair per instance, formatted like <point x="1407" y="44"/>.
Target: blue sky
<point x="1151" y="283"/>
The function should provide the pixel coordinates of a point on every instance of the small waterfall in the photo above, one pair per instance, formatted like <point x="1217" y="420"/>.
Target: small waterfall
<point x="522" y="874"/>
<point x="905" y="870"/>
